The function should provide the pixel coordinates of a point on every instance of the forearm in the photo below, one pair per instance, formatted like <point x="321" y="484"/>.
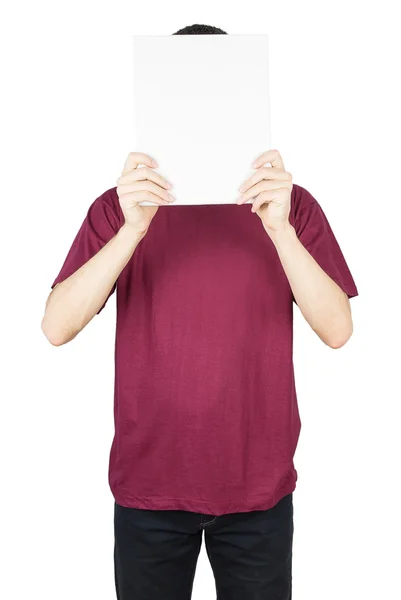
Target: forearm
<point x="322" y="302"/>
<point x="76" y="300"/>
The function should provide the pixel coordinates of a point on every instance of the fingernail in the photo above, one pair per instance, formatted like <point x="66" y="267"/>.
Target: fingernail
<point x="169" y="185"/>
<point x="154" y="163"/>
<point x="171" y="197"/>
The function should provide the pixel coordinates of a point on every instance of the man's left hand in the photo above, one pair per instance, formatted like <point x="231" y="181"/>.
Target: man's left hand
<point x="270" y="188"/>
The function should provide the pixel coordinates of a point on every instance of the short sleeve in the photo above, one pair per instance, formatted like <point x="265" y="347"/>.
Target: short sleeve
<point x="99" y="226"/>
<point x="315" y="233"/>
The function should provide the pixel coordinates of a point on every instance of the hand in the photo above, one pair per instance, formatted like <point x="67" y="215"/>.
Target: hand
<point x="270" y="191"/>
<point x="138" y="185"/>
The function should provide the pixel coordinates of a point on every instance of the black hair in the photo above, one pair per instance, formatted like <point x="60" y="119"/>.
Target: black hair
<point x="199" y="30"/>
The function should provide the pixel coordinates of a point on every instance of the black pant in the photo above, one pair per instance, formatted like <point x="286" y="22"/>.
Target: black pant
<point x="156" y="552"/>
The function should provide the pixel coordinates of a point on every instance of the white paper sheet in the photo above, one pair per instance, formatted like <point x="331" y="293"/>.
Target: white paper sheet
<point x="201" y="109"/>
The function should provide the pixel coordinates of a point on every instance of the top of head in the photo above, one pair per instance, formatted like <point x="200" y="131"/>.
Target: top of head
<point x="199" y="30"/>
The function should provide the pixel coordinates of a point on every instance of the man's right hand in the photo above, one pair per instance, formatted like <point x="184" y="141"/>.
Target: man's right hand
<point x="141" y="184"/>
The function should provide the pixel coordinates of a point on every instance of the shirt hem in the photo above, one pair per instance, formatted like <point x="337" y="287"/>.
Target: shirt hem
<point x="257" y="502"/>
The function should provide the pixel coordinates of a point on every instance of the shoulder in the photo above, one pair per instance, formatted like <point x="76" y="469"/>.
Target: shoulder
<point x="302" y="201"/>
<point x="107" y="204"/>
<point x="301" y="198"/>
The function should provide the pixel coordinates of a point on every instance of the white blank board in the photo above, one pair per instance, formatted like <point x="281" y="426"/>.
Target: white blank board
<point x="201" y="109"/>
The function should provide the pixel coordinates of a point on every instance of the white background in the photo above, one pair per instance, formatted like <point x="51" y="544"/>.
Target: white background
<point x="65" y="127"/>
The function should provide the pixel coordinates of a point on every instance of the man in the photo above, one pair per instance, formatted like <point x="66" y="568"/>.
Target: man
<point x="206" y="416"/>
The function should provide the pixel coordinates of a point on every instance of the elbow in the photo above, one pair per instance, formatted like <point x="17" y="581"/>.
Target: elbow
<point x="55" y="328"/>
<point x="340" y="337"/>
<point x="337" y="343"/>
<point x="54" y="337"/>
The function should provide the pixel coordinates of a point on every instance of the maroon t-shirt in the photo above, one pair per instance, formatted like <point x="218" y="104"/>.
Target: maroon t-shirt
<point x="205" y="408"/>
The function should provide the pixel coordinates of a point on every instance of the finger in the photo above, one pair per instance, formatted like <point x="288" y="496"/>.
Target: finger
<point x="138" y="158"/>
<point x="144" y="196"/>
<point x="261" y="187"/>
<point x="264" y="173"/>
<point x="264" y="198"/>
<point x="267" y="197"/>
<point x="271" y="156"/>
<point x="142" y="174"/>
<point x="137" y="186"/>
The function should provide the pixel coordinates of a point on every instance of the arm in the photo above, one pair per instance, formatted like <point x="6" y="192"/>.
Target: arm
<point x="102" y="248"/>
<point x="76" y="300"/>
<point x="322" y="302"/>
<point x="311" y="258"/>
